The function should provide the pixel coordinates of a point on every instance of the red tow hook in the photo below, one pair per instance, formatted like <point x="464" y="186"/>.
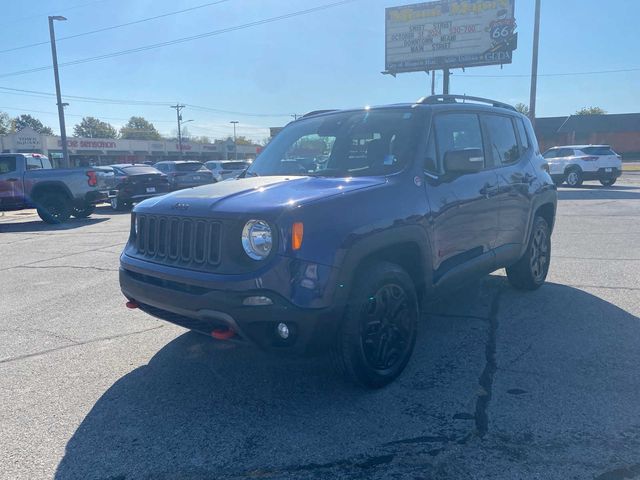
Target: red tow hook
<point x="132" y="305"/>
<point x="222" y="334"/>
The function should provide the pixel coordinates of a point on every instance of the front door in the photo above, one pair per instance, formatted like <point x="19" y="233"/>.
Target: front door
<point x="464" y="207"/>
<point x="11" y="188"/>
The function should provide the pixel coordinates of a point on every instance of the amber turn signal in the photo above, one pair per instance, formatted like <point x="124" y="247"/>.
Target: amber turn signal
<point x="296" y="235"/>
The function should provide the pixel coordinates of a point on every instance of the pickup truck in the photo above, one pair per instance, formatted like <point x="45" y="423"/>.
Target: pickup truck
<point x="27" y="180"/>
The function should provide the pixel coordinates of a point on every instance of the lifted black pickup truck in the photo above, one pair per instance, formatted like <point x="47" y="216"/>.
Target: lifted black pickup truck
<point x="28" y="181"/>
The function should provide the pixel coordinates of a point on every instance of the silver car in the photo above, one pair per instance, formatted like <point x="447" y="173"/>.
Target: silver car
<point x="223" y="169"/>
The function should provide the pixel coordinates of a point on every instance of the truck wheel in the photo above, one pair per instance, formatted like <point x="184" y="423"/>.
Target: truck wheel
<point x="84" y="211"/>
<point x="530" y="272"/>
<point x="118" y="205"/>
<point x="607" y="182"/>
<point x="54" y="208"/>
<point x="574" y="177"/>
<point x="379" y="330"/>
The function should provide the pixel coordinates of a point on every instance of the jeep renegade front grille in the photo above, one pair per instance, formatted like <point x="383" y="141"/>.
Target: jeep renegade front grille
<point x="184" y="241"/>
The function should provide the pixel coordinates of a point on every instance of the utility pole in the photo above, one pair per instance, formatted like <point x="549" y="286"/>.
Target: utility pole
<point x="534" y="66"/>
<point x="54" y="55"/>
<point x="295" y="116"/>
<point x="433" y="82"/>
<point x="445" y="81"/>
<point x="235" y="145"/>
<point x="179" y="108"/>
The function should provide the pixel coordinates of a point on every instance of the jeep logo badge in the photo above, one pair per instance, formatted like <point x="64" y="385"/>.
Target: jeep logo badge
<point x="181" y="206"/>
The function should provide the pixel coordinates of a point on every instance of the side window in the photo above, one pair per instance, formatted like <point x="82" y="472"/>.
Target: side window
<point x="457" y="131"/>
<point x="45" y="162"/>
<point x="524" y="140"/>
<point x="33" y="163"/>
<point x="7" y="165"/>
<point x="431" y="156"/>
<point x="551" y="153"/>
<point x="504" y="145"/>
<point x="565" y="152"/>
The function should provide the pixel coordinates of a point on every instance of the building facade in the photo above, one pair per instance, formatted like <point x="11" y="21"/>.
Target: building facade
<point x="108" y="151"/>
<point x="621" y="131"/>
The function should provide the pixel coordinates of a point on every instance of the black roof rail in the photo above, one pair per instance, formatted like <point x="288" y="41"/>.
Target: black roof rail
<point x="436" y="99"/>
<point x="318" y="112"/>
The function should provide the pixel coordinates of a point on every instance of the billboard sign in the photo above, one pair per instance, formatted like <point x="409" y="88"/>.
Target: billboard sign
<point x="449" y="34"/>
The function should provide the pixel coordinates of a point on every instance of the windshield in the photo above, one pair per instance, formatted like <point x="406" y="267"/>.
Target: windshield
<point x="139" y="170"/>
<point x="347" y="144"/>
<point x="188" y="167"/>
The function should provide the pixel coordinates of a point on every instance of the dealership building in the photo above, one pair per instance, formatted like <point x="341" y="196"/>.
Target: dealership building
<point x="108" y="151"/>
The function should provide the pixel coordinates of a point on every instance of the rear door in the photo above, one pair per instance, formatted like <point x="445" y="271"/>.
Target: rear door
<point x="11" y="185"/>
<point x="464" y="208"/>
<point x="509" y="152"/>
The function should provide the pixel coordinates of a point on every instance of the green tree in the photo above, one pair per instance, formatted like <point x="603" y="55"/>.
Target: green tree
<point x="591" y="111"/>
<point x="240" y="140"/>
<point x="25" y="120"/>
<point x="201" y="139"/>
<point x="91" y="127"/>
<point x="5" y="123"/>
<point x="138" y="128"/>
<point x="523" y="108"/>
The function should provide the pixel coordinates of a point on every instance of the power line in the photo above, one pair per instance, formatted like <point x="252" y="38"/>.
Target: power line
<point x="184" y="39"/>
<point x="113" y="27"/>
<point x="112" y="101"/>
<point x="563" y="74"/>
<point x="72" y="7"/>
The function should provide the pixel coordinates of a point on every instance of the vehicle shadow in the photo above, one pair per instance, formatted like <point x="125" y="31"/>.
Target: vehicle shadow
<point x="202" y="409"/>
<point x="107" y="210"/>
<point x="597" y="192"/>
<point x="40" y="226"/>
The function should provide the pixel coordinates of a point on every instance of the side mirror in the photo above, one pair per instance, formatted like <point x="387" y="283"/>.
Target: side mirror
<point x="469" y="160"/>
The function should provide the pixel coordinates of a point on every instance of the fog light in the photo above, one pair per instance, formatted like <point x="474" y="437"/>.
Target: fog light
<point x="283" y="331"/>
<point x="257" y="301"/>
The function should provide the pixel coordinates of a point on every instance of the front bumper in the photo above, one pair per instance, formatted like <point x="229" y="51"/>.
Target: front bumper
<point x="207" y="307"/>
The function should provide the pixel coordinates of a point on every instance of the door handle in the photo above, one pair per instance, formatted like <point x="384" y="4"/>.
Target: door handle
<point x="528" y="178"/>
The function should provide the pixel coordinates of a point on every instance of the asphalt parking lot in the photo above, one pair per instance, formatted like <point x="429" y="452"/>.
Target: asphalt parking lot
<point x="502" y="385"/>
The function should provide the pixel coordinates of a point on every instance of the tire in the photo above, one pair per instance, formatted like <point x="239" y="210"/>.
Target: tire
<point x="54" y="208"/>
<point x="574" y="177"/>
<point x="607" y="182"/>
<point x="530" y="272"/>
<point x="373" y="347"/>
<point x="118" y="205"/>
<point x="83" y="212"/>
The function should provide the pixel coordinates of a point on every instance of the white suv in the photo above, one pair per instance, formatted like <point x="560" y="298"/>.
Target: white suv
<point x="224" y="169"/>
<point x="576" y="163"/>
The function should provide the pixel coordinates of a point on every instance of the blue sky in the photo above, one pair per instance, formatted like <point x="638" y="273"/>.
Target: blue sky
<point x="327" y="59"/>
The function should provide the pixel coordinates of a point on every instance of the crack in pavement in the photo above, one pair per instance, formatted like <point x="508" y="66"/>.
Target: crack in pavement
<point x="45" y="267"/>
<point x="76" y="344"/>
<point x="486" y="377"/>
<point x="59" y="257"/>
<point x="633" y="289"/>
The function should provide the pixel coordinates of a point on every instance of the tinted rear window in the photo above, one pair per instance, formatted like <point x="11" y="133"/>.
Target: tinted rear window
<point x="598" y="151"/>
<point x="139" y="170"/>
<point x="235" y="165"/>
<point x="188" y="167"/>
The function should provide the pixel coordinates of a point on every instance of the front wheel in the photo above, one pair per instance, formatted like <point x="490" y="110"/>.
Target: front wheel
<point x="83" y="211"/>
<point x="54" y="208"/>
<point x="574" y="178"/>
<point x="379" y="330"/>
<point x="607" y="182"/>
<point x="530" y="272"/>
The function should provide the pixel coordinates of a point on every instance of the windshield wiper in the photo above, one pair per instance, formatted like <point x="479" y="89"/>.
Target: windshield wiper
<point x="329" y="172"/>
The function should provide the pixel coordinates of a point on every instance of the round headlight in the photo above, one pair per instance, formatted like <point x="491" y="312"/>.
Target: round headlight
<point x="257" y="239"/>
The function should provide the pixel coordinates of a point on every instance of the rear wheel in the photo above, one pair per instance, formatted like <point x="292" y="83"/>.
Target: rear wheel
<point x="83" y="211"/>
<point x="54" y="208"/>
<point x="607" y="182"/>
<point x="118" y="205"/>
<point x="574" y="177"/>
<point x="379" y="330"/>
<point x="531" y="270"/>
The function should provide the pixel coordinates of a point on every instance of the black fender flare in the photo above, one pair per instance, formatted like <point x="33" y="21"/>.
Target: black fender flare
<point x="547" y="197"/>
<point x="41" y="188"/>
<point x="358" y="251"/>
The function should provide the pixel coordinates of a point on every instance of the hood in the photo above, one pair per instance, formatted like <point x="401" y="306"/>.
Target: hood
<point x="255" y="195"/>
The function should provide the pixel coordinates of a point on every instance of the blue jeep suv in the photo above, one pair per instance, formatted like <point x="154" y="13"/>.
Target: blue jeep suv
<point x="346" y="221"/>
